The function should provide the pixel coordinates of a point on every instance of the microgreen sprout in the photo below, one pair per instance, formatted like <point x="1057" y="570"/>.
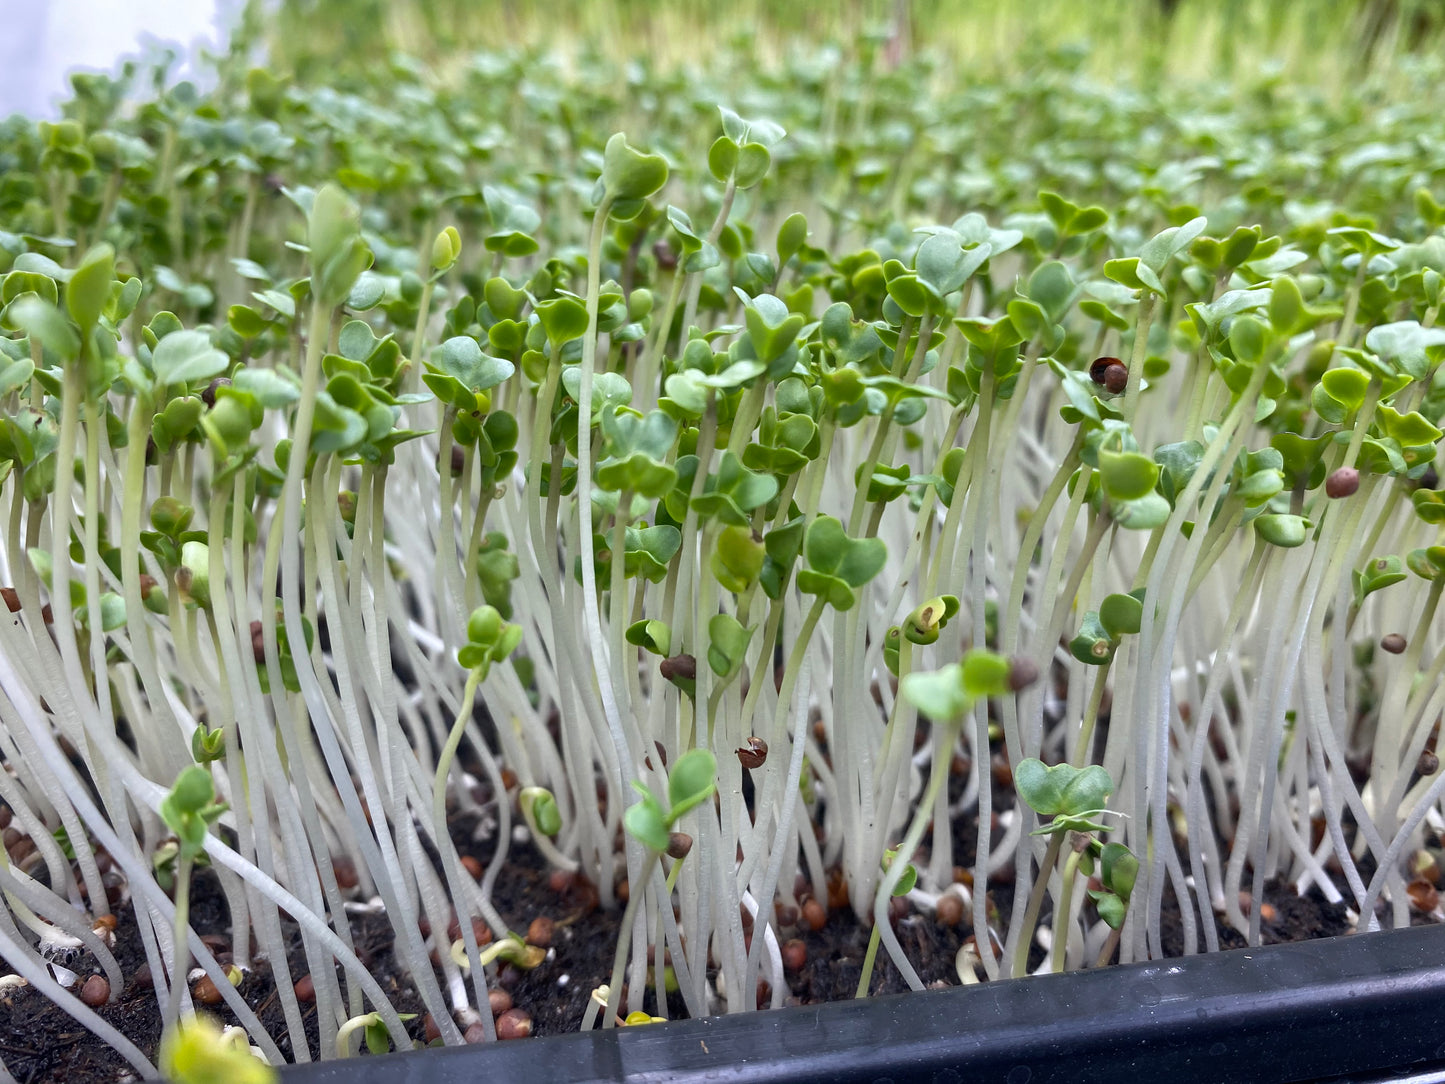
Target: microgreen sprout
<point x="373" y="1031"/>
<point x="382" y="461"/>
<point x="189" y="810"/>
<point x="1074" y="801"/>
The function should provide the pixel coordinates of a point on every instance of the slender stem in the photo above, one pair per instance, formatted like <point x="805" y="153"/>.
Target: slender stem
<point x="1082" y="748"/>
<point x="794" y="666"/>
<point x="418" y="337"/>
<point x="180" y="947"/>
<point x="1107" y="952"/>
<point x="624" y="941"/>
<point x="694" y="291"/>
<point x="1138" y="355"/>
<point x="885" y="420"/>
<point x="1019" y="964"/>
<point x="449" y="750"/>
<point x="645" y="375"/>
<point x="922" y="815"/>
<point x="591" y="613"/>
<point x="1062" y="924"/>
<point x="866" y="976"/>
<point x="1346" y="333"/>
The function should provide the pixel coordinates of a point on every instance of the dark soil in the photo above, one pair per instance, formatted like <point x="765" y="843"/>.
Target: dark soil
<point x="39" y="1042"/>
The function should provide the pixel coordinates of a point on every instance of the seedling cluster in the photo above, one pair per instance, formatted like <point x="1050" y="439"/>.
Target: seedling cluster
<point x="693" y="504"/>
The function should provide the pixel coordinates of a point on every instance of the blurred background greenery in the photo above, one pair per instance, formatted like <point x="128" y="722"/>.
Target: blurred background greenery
<point x="1322" y="42"/>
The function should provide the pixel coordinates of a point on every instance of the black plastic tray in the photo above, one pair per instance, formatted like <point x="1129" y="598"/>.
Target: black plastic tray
<point x="1363" y="1008"/>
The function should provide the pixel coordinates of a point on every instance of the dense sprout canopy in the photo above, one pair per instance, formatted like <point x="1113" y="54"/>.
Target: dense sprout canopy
<point x="726" y="476"/>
